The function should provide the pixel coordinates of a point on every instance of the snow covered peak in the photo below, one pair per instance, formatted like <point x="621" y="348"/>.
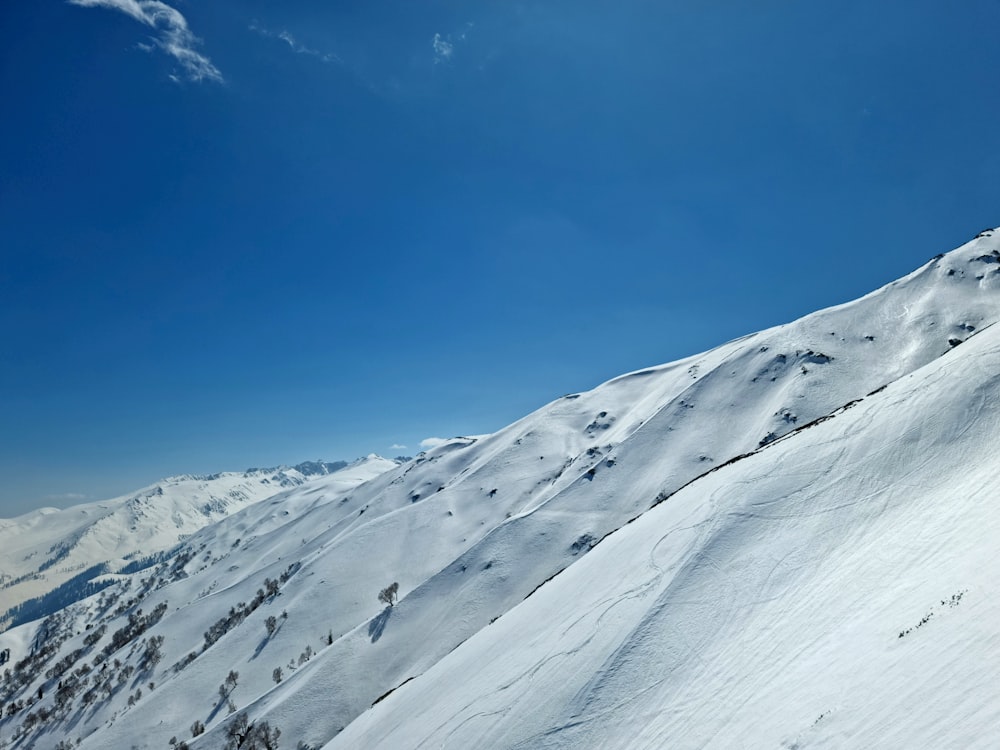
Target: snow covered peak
<point x="662" y="559"/>
<point x="829" y="591"/>
<point x="43" y="549"/>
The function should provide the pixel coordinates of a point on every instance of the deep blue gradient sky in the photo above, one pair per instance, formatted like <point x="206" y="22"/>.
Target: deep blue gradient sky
<point x="372" y="223"/>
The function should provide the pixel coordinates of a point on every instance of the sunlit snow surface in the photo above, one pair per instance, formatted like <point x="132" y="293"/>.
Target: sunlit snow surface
<point x="833" y="586"/>
<point x="763" y="606"/>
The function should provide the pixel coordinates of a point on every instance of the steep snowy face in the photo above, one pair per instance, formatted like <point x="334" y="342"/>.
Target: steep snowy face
<point x="472" y="528"/>
<point x="835" y="589"/>
<point x="46" y="548"/>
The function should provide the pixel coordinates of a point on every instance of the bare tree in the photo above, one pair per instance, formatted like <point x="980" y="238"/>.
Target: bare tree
<point x="271" y="623"/>
<point x="388" y="595"/>
<point x="276" y="675"/>
<point x="244" y="735"/>
<point x="238" y="732"/>
<point x="266" y="738"/>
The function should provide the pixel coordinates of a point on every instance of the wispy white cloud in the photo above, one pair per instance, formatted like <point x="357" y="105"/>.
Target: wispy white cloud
<point x="286" y="36"/>
<point x="66" y="497"/>
<point x="174" y="36"/>
<point x="443" y="49"/>
<point x="444" y="45"/>
<point x="397" y="447"/>
<point x="432" y="442"/>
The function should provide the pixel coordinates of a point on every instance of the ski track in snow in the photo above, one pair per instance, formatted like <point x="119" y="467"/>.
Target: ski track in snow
<point x="817" y="496"/>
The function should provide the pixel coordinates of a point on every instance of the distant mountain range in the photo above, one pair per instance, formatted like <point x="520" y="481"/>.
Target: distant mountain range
<point x="44" y="549"/>
<point x="788" y="541"/>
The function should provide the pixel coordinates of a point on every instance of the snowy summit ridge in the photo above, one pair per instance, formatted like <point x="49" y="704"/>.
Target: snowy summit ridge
<point x="786" y="541"/>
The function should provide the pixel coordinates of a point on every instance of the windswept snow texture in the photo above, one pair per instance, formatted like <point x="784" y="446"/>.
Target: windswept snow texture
<point x="837" y="590"/>
<point x="810" y="564"/>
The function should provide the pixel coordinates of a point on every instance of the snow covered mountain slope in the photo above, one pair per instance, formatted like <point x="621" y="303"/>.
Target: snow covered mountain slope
<point x="43" y="549"/>
<point x="840" y="588"/>
<point x="472" y="528"/>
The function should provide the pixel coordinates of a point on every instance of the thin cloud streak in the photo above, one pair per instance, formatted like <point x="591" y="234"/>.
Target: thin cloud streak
<point x="66" y="497"/>
<point x="286" y="36"/>
<point x="175" y="38"/>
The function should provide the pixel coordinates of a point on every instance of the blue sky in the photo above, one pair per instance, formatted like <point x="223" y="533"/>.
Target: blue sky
<point x="254" y="233"/>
